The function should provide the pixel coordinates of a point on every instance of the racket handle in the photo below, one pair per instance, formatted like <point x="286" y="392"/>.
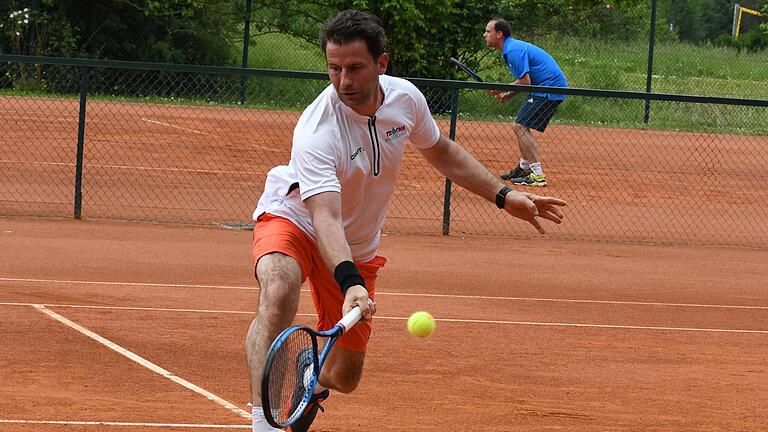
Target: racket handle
<point x="350" y="319"/>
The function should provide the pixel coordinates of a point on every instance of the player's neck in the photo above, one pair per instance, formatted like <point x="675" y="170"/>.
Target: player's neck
<point x="376" y="102"/>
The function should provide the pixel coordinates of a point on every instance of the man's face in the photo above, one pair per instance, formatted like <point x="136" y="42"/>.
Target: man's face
<point x="491" y="36"/>
<point x="355" y="74"/>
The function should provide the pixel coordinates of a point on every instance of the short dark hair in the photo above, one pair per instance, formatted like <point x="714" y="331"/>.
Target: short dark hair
<point x="501" y="25"/>
<point x="352" y="25"/>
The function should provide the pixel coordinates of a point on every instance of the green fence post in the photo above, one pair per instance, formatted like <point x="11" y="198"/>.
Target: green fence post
<point x="647" y="114"/>
<point x="448" y="183"/>
<point x="246" y="44"/>
<point x="33" y="14"/>
<point x="80" y="143"/>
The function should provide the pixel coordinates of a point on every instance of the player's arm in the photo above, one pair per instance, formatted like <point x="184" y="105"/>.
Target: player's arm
<point x="458" y="165"/>
<point x="506" y="96"/>
<point x="325" y="210"/>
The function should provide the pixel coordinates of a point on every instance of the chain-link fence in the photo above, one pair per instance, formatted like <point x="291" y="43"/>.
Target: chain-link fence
<point x="175" y="144"/>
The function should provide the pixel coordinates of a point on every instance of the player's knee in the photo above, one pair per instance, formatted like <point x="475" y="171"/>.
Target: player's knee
<point x="343" y="370"/>
<point x="278" y="303"/>
<point x="278" y="300"/>
<point x="278" y="291"/>
<point x="280" y="281"/>
<point x="347" y="382"/>
<point x="519" y="129"/>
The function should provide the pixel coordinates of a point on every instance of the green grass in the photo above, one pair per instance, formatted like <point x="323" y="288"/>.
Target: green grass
<point x="678" y="68"/>
<point x="280" y="51"/>
<point x="285" y="52"/>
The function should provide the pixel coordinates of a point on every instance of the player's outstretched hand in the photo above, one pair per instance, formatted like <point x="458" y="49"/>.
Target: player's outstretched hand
<point x="530" y="207"/>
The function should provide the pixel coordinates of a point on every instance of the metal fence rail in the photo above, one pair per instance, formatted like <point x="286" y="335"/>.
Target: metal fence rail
<point x="173" y="143"/>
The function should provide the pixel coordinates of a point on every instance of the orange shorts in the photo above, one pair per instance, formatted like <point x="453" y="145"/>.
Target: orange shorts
<point x="277" y="234"/>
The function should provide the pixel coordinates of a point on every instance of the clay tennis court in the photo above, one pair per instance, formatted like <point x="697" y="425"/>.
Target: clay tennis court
<point x="126" y="326"/>
<point x="544" y="335"/>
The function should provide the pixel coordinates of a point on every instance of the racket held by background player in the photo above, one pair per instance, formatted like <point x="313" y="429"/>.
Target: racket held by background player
<point x="466" y="69"/>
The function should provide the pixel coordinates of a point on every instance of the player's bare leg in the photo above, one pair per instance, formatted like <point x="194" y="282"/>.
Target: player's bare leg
<point x="525" y="141"/>
<point x="280" y="279"/>
<point x="342" y="370"/>
<point x="529" y="150"/>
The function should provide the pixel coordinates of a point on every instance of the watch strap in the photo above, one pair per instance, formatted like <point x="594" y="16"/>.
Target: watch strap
<point x="502" y="195"/>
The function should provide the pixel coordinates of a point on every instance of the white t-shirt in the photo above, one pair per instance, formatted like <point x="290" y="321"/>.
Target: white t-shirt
<point x="337" y="149"/>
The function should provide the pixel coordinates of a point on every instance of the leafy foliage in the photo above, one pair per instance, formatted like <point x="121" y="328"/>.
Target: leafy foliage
<point x="421" y="35"/>
<point x="613" y="19"/>
<point x="177" y="31"/>
<point x="702" y="20"/>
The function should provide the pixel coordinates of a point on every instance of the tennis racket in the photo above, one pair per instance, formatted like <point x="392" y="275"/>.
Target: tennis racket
<point x="466" y="69"/>
<point x="293" y="367"/>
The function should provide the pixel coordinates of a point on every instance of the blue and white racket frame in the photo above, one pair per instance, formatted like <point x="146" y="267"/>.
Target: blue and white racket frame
<point x="346" y="322"/>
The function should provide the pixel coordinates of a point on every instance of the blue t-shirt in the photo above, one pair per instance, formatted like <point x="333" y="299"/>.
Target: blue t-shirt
<point x="523" y="57"/>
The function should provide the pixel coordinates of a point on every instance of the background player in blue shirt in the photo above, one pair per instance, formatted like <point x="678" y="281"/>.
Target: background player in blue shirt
<point x="530" y="65"/>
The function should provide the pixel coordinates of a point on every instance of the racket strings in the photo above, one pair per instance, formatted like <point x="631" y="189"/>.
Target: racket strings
<point x="291" y="376"/>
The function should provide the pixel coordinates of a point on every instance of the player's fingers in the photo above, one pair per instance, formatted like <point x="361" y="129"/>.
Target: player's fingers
<point x="346" y="307"/>
<point x="542" y="201"/>
<point x="536" y="224"/>
<point x="524" y="211"/>
<point x="558" y="211"/>
<point x="553" y="210"/>
<point x="366" y="307"/>
<point x="551" y="216"/>
<point x="532" y="208"/>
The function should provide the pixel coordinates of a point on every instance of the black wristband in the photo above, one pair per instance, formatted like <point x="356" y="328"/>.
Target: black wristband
<point x="502" y="195"/>
<point x="347" y="275"/>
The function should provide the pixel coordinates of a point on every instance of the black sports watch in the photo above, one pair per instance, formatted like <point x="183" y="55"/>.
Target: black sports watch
<point x="502" y="195"/>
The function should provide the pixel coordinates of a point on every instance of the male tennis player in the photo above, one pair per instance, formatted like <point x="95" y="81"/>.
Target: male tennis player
<point x="320" y="217"/>
<point x="530" y="65"/>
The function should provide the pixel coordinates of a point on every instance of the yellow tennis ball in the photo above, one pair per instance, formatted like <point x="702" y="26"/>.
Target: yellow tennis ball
<point x="421" y="324"/>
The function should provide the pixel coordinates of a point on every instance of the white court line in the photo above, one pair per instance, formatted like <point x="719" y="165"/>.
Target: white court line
<point x="7" y="161"/>
<point x="179" y="127"/>
<point x="109" y="423"/>
<point x="455" y="320"/>
<point x="198" y="132"/>
<point x="605" y="326"/>
<point x="378" y="293"/>
<point x="131" y="167"/>
<point x="146" y="363"/>
<point x="129" y="284"/>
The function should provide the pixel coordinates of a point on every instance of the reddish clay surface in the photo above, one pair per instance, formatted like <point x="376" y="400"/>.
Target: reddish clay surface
<point x="531" y="335"/>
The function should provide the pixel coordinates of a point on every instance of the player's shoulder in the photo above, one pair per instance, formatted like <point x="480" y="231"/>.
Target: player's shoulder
<point x="512" y="45"/>
<point x="320" y="112"/>
<point x="396" y="84"/>
<point x="401" y="91"/>
<point x="318" y="122"/>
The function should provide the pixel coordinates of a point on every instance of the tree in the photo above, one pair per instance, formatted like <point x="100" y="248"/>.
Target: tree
<point x="764" y="27"/>
<point x="177" y="31"/>
<point x="421" y="35"/>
